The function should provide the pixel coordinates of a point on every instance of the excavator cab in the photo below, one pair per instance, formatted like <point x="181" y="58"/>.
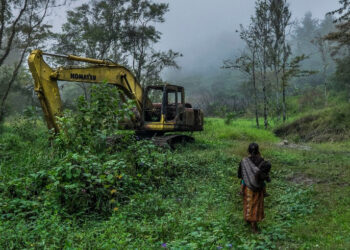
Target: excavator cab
<point x="167" y="100"/>
<point x="168" y="111"/>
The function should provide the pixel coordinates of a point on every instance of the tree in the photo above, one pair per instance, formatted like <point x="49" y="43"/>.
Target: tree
<point x="304" y="32"/>
<point x="341" y="40"/>
<point x="293" y="69"/>
<point x="246" y="63"/>
<point x="93" y="30"/>
<point x="280" y="50"/>
<point x="342" y="34"/>
<point x="342" y="74"/>
<point x="21" y="93"/>
<point x="140" y="37"/>
<point x="22" y="26"/>
<point x="324" y="48"/>
<point x="120" y="30"/>
<point x="262" y="32"/>
<point x="308" y="39"/>
<point x="268" y="49"/>
<point x="343" y="11"/>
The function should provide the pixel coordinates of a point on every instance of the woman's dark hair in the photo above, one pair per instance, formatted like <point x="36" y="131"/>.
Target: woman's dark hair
<point x="253" y="149"/>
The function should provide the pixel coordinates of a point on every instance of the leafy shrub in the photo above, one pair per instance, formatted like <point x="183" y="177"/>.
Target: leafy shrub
<point x="311" y="99"/>
<point x="229" y="117"/>
<point x="26" y="125"/>
<point x="94" y="120"/>
<point x="85" y="183"/>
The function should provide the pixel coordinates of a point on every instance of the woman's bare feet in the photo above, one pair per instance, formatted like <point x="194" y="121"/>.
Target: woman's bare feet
<point x="255" y="228"/>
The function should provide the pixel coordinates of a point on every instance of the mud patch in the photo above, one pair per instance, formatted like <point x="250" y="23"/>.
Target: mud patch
<point x="303" y="179"/>
<point x="287" y="144"/>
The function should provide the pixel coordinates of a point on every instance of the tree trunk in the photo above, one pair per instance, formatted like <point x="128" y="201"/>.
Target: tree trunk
<point x="85" y="90"/>
<point x="284" y="96"/>
<point x="325" y="84"/>
<point x="266" y="123"/>
<point x="277" y="94"/>
<point x="325" y="93"/>
<point x="7" y="91"/>
<point x="255" y="94"/>
<point x="9" y="85"/>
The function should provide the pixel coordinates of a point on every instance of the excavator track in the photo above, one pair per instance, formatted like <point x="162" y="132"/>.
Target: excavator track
<point x="171" y="140"/>
<point x="163" y="141"/>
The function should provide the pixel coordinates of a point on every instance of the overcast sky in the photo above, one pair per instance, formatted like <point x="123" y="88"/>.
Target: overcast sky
<point x="204" y="30"/>
<point x="190" y="22"/>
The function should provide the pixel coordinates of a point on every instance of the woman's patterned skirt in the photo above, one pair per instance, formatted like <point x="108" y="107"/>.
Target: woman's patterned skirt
<point x="253" y="205"/>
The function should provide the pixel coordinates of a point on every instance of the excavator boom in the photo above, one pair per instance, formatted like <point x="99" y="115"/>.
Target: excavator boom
<point x="103" y="71"/>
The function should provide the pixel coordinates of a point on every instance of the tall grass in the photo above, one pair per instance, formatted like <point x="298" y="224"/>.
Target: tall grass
<point x="239" y="129"/>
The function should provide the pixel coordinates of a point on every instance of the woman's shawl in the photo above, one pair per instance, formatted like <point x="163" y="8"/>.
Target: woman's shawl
<point x="250" y="174"/>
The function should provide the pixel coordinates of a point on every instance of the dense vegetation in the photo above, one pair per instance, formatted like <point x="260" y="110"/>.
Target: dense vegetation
<point x="140" y="196"/>
<point x="82" y="192"/>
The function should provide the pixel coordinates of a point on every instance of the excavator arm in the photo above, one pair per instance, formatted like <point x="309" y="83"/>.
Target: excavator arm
<point x="101" y="71"/>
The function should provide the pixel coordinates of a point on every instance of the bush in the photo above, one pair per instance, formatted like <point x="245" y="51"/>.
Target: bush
<point x="94" y="120"/>
<point x="229" y="117"/>
<point x="87" y="183"/>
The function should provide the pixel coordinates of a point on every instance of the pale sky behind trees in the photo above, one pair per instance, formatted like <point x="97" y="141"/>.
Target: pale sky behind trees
<point x="204" y="30"/>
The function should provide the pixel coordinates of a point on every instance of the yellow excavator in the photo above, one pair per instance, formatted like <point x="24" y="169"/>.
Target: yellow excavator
<point x="160" y="108"/>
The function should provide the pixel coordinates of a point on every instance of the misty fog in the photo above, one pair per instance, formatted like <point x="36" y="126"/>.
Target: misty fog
<point x="204" y="30"/>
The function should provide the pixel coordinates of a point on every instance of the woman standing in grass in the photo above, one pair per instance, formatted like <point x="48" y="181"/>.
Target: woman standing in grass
<point x="253" y="186"/>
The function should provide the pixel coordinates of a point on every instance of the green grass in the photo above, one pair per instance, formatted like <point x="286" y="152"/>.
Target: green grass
<point x="240" y="129"/>
<point x="308" y="207"/>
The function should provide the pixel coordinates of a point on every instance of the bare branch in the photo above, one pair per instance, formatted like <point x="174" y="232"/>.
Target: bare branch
<point x="2" y="20"/>
<point x="13" y="32"/>
<point x="12" y="80"/>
